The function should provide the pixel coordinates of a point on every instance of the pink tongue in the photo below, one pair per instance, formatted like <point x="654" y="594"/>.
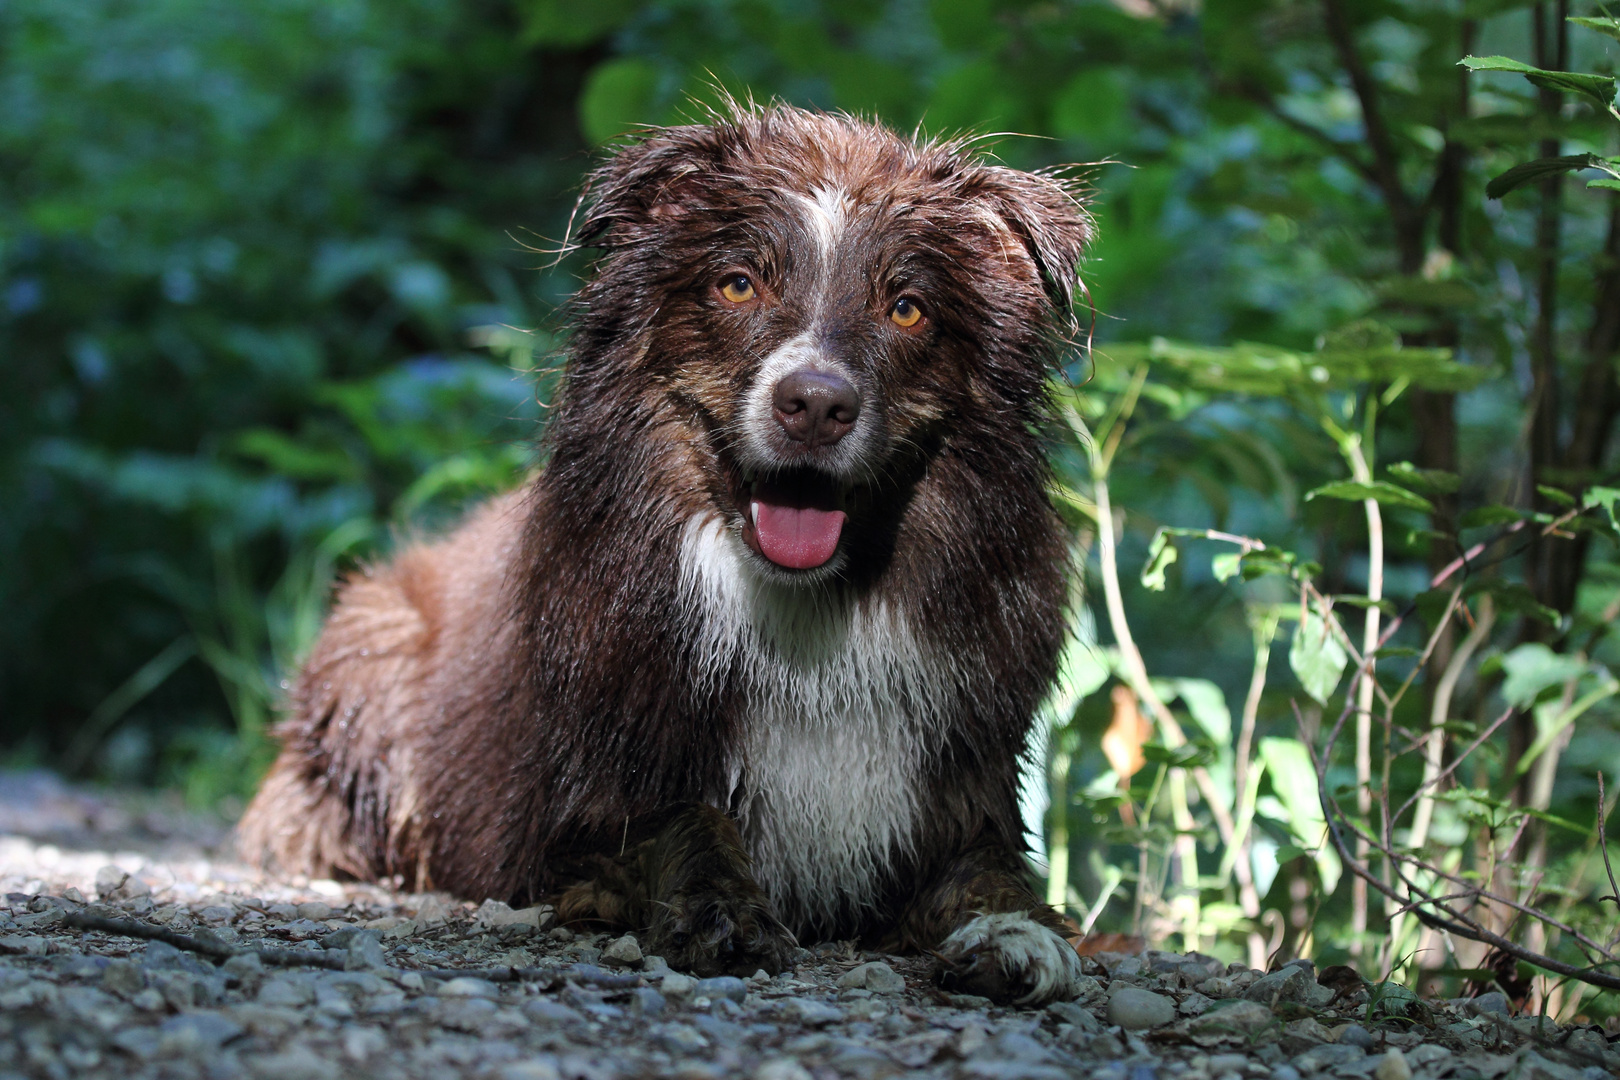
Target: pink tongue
<point x="799" y="538"/>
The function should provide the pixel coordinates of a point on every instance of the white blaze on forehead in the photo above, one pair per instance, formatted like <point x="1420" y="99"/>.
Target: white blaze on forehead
<point x="826" y="213"/>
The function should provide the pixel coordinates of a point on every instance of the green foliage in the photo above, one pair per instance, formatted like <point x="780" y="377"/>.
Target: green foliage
<point x="268" y="296"/>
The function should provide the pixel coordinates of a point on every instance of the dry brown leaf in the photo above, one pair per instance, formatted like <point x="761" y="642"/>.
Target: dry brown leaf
<point x="1122" y="742"/>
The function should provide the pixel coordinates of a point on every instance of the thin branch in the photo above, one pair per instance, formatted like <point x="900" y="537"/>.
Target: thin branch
<point x="215" y="950"/>
<point x="1603" y="845"/>
<point x="335" y="959"/>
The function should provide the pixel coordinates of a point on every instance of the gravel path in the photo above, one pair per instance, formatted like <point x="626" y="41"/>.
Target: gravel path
<point x="370" y="990"/>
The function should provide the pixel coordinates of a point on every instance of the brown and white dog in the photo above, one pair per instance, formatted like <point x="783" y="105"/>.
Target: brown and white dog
<point x="758" y="652"/>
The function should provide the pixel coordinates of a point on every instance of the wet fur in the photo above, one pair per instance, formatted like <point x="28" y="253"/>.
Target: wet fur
<point x="593" y="692"/>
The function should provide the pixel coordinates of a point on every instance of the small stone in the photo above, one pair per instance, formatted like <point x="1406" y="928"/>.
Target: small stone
<point x="315" y="910"/>
<point x="540" y="1068"/>
<point x="286" y="991"/>
<point x="1238" y="1017"/>
<point x="23" y="944"/>
<point x="1356" y="1035"/>
<point x="623" y="952"/>
<point x="361" y="1043"/>
<point x="781" y="1068"/>
<point x="1284" y="1072"/>
<point x="1393" y="1067"/>
<point x="679" y="987"/>
<point x="1137" y="1010"/>
<point x="1290" y="983"/>
<point x="198" y="1031"/>
<point x="124" y="978"/>
<point x="875" y="976"/>
<point x="1194" y="1004"/>
<point x="149" y="1000"/>
<point x="723" y="986"/>
<point x="546" y="1011"/>
<point x="73" y="895"/>
<point x="364" y="952"/>
<point x="1327" y="1056"/>
<point x="645" y="1001"/>
<point x="654" y="967"/>
<point x="467" y="986"/>
<point x="812" y="1013"/>
<point x="1070" y="1013"/>
<point x="108" y="880"/>
<point x="680" y="1039"/>
<point x="1495" y="1002"/>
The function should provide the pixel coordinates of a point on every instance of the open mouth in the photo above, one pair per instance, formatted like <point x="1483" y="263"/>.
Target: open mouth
<point x="793" y="518"/>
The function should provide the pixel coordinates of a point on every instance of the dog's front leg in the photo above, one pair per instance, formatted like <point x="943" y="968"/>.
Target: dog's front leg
<point x="992" y="935"/>
<point x="690" y="889"/>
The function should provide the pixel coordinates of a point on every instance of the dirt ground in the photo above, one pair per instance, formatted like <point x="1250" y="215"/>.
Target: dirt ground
<point x="294" y="979"/>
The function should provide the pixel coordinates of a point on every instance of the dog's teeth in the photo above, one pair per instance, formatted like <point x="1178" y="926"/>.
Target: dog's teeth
<point x="753" y="512"/>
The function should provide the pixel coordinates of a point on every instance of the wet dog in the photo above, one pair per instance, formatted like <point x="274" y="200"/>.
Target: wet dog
<point x="757" y="653"/>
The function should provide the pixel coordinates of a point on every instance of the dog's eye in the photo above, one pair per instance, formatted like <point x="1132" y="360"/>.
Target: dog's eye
<point x="738" y="289"/>
<point x="905" y="313"/>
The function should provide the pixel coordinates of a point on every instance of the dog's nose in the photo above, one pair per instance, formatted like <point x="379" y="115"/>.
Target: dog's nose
<point x="816" y="408"/>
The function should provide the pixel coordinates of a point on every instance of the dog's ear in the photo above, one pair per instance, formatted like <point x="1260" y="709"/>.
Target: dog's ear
<point x="645" y="181"/>
<point x="1045" y="215"/>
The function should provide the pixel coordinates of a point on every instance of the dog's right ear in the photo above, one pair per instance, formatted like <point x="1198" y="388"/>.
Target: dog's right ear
<point x="645" y="182"/>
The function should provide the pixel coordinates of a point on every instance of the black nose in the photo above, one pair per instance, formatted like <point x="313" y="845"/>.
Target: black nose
<point x="816" y="408"/>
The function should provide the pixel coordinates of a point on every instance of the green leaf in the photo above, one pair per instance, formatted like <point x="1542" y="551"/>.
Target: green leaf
<point x="1317" y="657"/>
<point x="1432" y="481"/>
<point x="1207" y="704"/>
<point x="617" y="97"/>
<point x="1288" y="766"/>
<point x="1226" y="566"/>
<point x="1607" y="26"/>
<point x="1530" y="171"/>
<point x="1611" y="185"/>
<point x="1552" y="494"/>
<point x="1532" y="668"/>
<point x="1161" y="553"/>
<point x="1600" y="89"/>
<point x="1489" y="515"/>
<point x="1377" y="490"/>
<point x="1514" y="597"/>
<point x="1189" y="755"/>
<point x="568" y="24"/>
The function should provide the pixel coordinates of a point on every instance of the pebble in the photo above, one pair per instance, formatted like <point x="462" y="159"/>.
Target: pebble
<point x="1494" y="1002"/>
<point x="468" y="987"/>
<point x="680" y="987"/>
<point x="624" y="952"/>
<point x="74" y="1004"/>
<point x="1393" y="1066"/>
<point x="1136" y="1010"/>
<point x="724" y="986"/>
<point x="875" y="976"/>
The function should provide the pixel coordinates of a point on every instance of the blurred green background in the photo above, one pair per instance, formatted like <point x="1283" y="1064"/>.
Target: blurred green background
<point x="274" y="292"/>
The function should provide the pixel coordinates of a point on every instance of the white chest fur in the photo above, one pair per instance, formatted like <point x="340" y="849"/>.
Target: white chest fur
<point x="844" y="705"/>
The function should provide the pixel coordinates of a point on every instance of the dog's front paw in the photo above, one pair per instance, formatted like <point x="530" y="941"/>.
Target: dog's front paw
<point x="715" y="933"/>
<point x="1010" y="959"/>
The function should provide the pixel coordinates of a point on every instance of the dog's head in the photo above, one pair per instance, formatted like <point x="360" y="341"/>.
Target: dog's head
<point x="816" y="307"/>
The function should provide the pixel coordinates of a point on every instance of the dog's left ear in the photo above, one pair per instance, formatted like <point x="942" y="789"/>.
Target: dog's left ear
<point x="646" y="179"/>
<point x="1045" y="214"/>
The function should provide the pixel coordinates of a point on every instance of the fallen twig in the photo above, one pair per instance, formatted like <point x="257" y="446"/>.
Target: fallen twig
<point x="216" y="950"/>
<point x="550" y="978"/>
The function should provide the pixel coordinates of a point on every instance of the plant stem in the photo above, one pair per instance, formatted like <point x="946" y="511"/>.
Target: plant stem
<point x="1368" y="685"/>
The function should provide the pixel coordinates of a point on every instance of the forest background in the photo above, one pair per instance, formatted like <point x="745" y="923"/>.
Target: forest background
<point x="272" y="296"/>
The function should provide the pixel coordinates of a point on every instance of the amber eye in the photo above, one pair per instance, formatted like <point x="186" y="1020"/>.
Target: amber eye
<point x="738" y="289"/>
<point x="906" y="313"/>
